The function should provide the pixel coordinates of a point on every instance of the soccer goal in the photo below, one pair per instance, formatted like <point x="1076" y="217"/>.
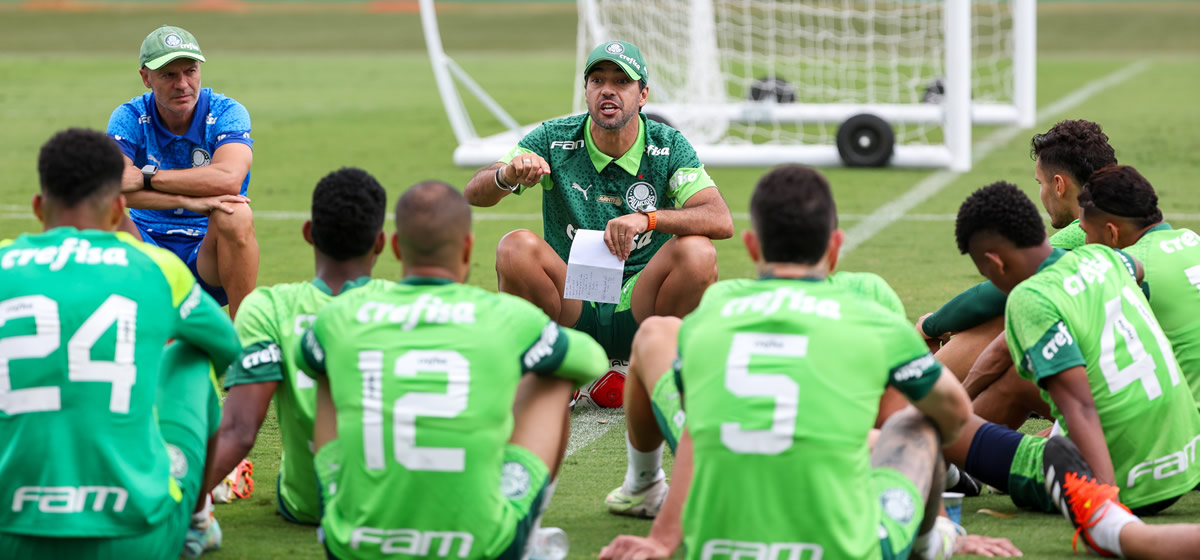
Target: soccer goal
<point x="819" y="82"/>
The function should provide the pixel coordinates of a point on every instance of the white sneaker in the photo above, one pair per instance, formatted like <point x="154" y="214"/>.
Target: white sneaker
<point x="940" y="542"/>
<point x="201" y="539"/>
<point x="645" y="503"/>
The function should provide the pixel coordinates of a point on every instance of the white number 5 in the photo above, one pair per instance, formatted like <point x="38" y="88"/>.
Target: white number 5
<point x="742" y="382"/>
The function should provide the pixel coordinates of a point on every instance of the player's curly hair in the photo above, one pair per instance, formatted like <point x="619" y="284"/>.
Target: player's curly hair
<point x="999" y="208"/>
<point x="78" y="164"/>
<point x="1075" y="147"/>
<point x="348" y="209"/>
<point x="1121" y="191"/>
<point x="794" y="214"/>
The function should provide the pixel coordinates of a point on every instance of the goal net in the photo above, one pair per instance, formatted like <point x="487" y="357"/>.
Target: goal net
<point x="754" y="76"/>
<point x="763" y="82"/>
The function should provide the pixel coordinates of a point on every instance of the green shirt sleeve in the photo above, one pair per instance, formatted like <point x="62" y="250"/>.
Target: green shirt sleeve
<point x="689" y="176"/>
<point x="557" y="351"/>
<point x="971" y="308"/>
<point x="536" y="142"/>
<point x="310" y="353"/>
<point x="261" y="359"/>
<point x="204" y="324"/>
<point x="1040" y="342"/>
<point x="913" y="369"/>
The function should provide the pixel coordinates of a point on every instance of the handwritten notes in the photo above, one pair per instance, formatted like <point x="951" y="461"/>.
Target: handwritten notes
<point x="593" y="273"/>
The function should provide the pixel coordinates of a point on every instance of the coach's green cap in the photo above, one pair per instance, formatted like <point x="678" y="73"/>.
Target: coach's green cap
<point x="626" y="55"/>
<point x="166" y="44"/>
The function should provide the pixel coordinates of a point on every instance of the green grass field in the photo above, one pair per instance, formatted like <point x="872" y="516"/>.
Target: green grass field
<point x="332" y="87"/>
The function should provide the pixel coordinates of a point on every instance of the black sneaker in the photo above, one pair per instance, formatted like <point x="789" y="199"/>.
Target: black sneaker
<point x="1074" y="490"/>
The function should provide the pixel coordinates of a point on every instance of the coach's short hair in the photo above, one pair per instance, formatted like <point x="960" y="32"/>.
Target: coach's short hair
<point x="78" y="164"/>
<point x="348" y="209"/>
<point x="1121" y="191"/>
<point x="794" y="214"/>
<point x="999" y="208"/>
<point x="1075" y="147"/>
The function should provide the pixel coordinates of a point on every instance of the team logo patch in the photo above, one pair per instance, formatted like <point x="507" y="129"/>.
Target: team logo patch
<point x="640" y="196"/>
<point x="179" y="463"/>
<point x="200" y="157"/>
<point x="514" y="480"/>
<point x="172" y="40"/>
<point x="898" y="505"/>
<point x="614" y="48"/>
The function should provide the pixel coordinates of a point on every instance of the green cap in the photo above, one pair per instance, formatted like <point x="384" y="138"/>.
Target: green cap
<point x="626" y="55"/>
<point x="166" y="44"/>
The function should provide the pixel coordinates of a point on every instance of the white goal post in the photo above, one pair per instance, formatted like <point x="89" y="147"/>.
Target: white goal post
<point x="764" y="82"/>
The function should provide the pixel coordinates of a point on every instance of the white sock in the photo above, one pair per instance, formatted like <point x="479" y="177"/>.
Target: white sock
<point x="1107" y="531"/>
<point x="201" y="519"/>
<point x="952" y="476"/>
<point x="645" y="467"/>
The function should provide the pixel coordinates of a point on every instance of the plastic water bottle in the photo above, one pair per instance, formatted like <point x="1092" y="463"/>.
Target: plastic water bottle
<point x="550" y="543"/>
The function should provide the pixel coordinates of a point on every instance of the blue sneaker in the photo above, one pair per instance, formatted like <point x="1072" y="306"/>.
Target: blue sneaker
<point x="202" y="539"/>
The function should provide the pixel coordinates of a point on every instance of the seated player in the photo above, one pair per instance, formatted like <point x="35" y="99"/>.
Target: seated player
<point x="652" y="410"/>
<point x="346" y="232"/>
<point x="612" y="170"/>
<point x="1065" y="156"/>
<point x="752" y="357"/>
<point x="104" y="433"/>
<point x="440" y="439"/>
<point x="1079" y="327"/>
<point x="1120" y="209"/>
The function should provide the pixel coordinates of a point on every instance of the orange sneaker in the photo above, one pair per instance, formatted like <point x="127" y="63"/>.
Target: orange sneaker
<point x="1071" y="486"/>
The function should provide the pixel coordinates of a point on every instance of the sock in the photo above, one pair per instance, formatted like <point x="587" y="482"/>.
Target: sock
<point x="991" y="455"/>
<point x="203" y="518"/>
<point x="645" y="467"/>
<point x="933" y="545"/>
<point x="1106" y="533"/>
<point x="952" y="476"/>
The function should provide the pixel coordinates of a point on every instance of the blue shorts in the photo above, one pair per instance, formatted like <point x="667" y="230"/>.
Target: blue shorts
<point x="185" y="243"/>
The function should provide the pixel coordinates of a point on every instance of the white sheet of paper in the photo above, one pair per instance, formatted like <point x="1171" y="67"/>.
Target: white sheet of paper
<point x="593" y="273"/>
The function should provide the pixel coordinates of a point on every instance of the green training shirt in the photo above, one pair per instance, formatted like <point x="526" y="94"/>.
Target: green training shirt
<point x="1070" y="237"/>
<point x="270" y="322"/>
<point x="423" y="375"/>
<point x="1084" y="308"/>
<point x="871" y="286"/>
<point x="586" y="188"/>
<point x="1171" y="258"/>
<point x="781" y="381"/>
<point x="84" y="318"/>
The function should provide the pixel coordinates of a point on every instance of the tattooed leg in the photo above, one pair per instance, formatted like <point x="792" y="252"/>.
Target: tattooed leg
<point x="908" y="443"/>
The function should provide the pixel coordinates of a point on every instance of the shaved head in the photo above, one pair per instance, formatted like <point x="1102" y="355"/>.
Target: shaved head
<point x="433" y="224"/>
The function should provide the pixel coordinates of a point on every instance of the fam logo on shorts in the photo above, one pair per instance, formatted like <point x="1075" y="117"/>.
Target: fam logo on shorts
<point x="614" y="48"/>
<point x="172" y="40"/>
<point x="514" y="480"/>
<point x="201" y="157"/>
<point x="640" y="196"/>
<point x="898" y="505"/>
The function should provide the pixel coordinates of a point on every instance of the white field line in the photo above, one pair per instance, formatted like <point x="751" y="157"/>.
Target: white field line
<point x="588" y="425"/>
<point x="931" y="185"/>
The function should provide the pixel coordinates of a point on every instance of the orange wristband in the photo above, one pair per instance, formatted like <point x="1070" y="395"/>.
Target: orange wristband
<point x="653" y="217"/>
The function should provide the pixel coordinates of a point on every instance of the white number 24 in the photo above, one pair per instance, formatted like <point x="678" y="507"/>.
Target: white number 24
<point x="120" y="372"/>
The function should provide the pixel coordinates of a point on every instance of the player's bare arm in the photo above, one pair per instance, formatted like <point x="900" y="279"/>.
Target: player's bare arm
<point x="989" y="366"/>
<point x="946" y="405"/>
<point x="245" y="408"/>
<point x="705" y="213"/>
<point x="487" y="187"/>
<point x="1073" y="396"/>
<point x="667" y="531"/>
<point x="325" y="421"/>
<point x="223" y="176"/>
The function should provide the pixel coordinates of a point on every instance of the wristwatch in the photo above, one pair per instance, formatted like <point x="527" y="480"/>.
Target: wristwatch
<point x="652" y="215"/>
<point x="148" y="172"/>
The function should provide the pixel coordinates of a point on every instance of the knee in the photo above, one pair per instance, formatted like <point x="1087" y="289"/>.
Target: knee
<point x="696" y="256"/>
<point x="237" y="227"/>
<point x="655" y="334"/>
<point x="517" y="245"/>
